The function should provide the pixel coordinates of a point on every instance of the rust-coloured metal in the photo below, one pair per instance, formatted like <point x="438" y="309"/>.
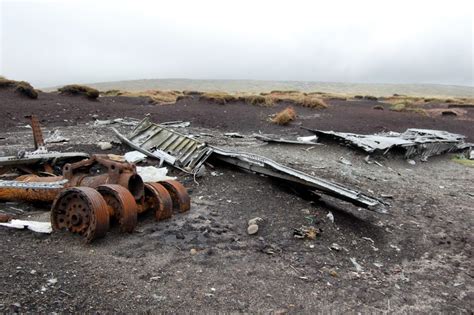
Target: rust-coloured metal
<point x="31" y="194"/>
<point x="78" y="174"/>
<point x="121" y="206"/>
<point x="158" y="199"/>
<point x="81" y="210"/>
<point x="121" y="173"/>
<point x="179" y="195"/>
<point x="35" y="178"/>
<point x="37" y="134"/>
<point x="5" y="217"/>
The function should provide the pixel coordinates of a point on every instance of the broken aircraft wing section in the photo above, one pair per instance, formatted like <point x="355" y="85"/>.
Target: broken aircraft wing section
<point x="266" y="166"/>
<point x="156" y="141"/>
<point x="416" y="142"/>
<point x="188" y="154"/>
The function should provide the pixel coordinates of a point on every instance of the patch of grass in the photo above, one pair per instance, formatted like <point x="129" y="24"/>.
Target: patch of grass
<point x="4" y="82"/>
<point x="26" y="89"/>
<point x="154" y="96"/>
<point x="21" y="87"/>
<point x="256" y="100"/>
<point x="76" y="89"/>
<point x="192" y="93"/>
<point x="218" y="98"/>
<point x="284" y="117"/>
<point x="370" y="98"/>
<point x="112" y="93"/>
<point x="463" y="161"/>
<point x="298" y="99"/>
<point x="285" y="92"/>
<point x="408" y="107"/>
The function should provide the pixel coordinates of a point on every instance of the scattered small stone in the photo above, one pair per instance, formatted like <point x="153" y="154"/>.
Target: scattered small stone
<point x="252" y="229"/>
<point x="368" y="239"/>
<point x="330" y="216"/>
<point x="395" y="247"/>
<point x="335" y="247"/>
<point x="193" y="251"/>
<point x="52" y="281"/>
<point x="255" y="221"/>
<point x="33" y="272"/>
<point x="356" y="265"/>
<point x="334" y="273"/>
<point x="104" y="145"/>
<point x="305" y="211"/>
<point x="411" y="162"/>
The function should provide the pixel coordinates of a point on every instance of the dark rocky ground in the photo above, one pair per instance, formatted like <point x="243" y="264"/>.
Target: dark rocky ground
<point x="416" y="259"/>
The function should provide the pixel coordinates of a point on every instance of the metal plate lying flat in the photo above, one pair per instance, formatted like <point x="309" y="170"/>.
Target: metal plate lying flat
<point x="416" y="142"/>
<point x="263" y="165"/>
<point x="167" y="145"/>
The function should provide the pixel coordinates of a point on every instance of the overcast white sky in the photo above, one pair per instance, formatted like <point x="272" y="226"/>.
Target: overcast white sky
<point x="417" y="41"/>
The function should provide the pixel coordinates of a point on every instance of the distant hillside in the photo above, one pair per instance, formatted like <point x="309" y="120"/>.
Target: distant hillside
<point x="234" y="86"/>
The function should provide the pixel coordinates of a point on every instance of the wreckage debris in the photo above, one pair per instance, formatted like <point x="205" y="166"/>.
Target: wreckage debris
<point x="421" y="143"/>
<point x="85" y="203"/>
<point x="5" y="217"/>
<point x="121" y="206"/>
<point x="35" y="226"/>
<point x="156" y="141"/>
<point x="188" y="154"/>
<point x="81" y="210"/>
<point x="310" y="140"/>
<point x="157" y="197"/>
<point x="40" y="156"/>
<point x="179" y="195"/>
<point x="266" y="166"/>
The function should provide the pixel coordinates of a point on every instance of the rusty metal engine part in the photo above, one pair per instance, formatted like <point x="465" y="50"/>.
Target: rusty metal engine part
<point x="35" y="188"/>
<point x="179" y="195"/>
<point x="158" y="199"/>
<point x="37" y="134"/>
<point x="81" y="210"/>
<point x="32" y="188"/>
<point x="121" y="173"/>
<point x="121" y="206"/>
<point x="5" y="217"/>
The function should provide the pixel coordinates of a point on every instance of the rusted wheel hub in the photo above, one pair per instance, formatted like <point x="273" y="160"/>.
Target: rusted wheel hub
<point x="159" y="200"/>
<point x="179" y="195"/>
<point x="81" y="210"/>
<point x="121" y="206"/>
